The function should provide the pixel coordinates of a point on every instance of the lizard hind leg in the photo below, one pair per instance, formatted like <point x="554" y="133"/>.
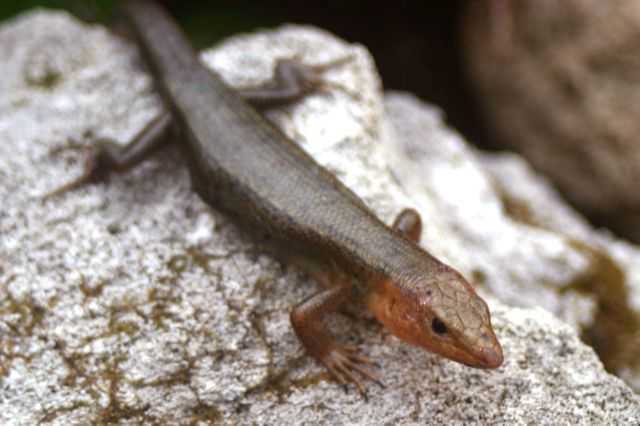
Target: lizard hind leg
<point x="343" y="362"/>
<point x="104" y="155"/>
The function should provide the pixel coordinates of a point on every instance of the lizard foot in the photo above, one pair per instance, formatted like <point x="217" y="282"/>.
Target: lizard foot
<point x="93" y="164"/>
<point x="344" y="361"/>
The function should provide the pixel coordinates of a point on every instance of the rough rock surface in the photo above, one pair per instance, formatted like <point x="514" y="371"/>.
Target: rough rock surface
<point x="559" y="82"/>
<point x="133" y="302"/>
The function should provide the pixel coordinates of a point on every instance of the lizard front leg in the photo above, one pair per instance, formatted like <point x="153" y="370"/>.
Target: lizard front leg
<point x="307" y="317"/>
<point x="343" y="362"/>
<point x="292" y="81"/>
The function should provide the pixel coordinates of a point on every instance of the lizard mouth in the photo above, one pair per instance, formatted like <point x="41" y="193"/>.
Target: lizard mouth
<point x="488" y="358"/>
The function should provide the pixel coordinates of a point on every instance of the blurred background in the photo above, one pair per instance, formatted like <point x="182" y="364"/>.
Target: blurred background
<point x="414" y="43"/>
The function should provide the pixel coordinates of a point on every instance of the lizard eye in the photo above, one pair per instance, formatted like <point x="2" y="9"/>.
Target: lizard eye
<point x="438" y="326"/>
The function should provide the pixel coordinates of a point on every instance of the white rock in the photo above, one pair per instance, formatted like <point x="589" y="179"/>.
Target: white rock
<point x="133" y="301"/>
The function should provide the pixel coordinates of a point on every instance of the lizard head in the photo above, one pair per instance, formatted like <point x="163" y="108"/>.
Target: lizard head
<point x="442" y="314"/>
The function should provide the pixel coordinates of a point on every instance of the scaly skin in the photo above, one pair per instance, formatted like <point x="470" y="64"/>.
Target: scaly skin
<point x="444" y="316"/>
<point x="418" y="298"/>
<point x="439" y="312"/>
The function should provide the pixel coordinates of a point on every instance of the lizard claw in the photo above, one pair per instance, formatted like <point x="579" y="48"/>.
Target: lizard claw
<point x="99" y="158"/>
<point x="343" y="362"/>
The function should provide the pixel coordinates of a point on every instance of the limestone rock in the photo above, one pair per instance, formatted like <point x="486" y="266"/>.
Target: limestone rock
<point x="131" y="301"/>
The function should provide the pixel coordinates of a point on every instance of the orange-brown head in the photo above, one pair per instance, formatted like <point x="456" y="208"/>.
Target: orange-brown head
<point x="441" y="313"/>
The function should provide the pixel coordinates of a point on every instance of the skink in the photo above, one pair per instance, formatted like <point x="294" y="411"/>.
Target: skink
<point x="243" y="165"/>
